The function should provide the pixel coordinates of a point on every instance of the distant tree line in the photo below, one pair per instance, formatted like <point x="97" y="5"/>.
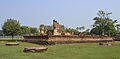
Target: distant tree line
<point x="12" y="28"/>
<point x="103" y="25"/>
<point x="63" y="28"/>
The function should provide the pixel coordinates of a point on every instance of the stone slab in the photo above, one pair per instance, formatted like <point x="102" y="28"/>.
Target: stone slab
<point x="12" y="44"/>
<point x="35" y="49"/>
<point x="106" y="44"/>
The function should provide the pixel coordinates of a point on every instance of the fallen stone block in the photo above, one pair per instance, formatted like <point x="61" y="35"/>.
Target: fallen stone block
<point x="12" y="44"/>
<point x="35" y="49"/>
<point x="105" y="44"/>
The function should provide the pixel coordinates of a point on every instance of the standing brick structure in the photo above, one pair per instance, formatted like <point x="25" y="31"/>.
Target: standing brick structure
<point x="56" y="30"/>
<point x="42" y="30"/>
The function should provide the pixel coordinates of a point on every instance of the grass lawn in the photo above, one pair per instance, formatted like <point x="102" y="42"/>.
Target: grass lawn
<point x="10" y="39"/>
<point x="63" y="51"/>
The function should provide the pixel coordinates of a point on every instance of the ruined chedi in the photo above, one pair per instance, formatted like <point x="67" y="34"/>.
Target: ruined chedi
<point x="56" y="30"/>
<point x="42" y="30"/>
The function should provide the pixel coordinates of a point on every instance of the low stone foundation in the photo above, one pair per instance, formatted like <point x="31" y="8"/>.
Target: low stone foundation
<point x="63" y="39"/>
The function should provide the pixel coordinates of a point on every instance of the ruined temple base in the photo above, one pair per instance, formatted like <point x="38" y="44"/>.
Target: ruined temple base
<point x="65" y="39"/>
<point x="35" y="49"/>
<point x="12" y="44"/>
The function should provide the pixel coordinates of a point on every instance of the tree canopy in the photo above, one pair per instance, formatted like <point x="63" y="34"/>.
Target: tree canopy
<point x="25" y="30"/>
<point x="11" y="27"/>
<point x="80" y="28"/>
<point x="103" y="24"/>
<point x="34" y="30"/>
<point x="1" y="32"/>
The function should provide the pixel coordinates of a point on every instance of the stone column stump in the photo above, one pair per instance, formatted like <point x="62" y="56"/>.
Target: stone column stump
<point x="35" y="49"/>
<point x="105" y="44"/>
<point x="12" y="44"/>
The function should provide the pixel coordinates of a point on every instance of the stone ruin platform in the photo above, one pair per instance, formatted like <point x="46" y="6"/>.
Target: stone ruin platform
<point x="35" y="49"/>
<point x="12" y="44"/>
<point x="63" y="39"/>
<point x="57" y="36"/>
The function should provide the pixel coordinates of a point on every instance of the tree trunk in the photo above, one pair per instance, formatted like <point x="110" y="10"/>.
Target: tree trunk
<point x="102" y="27"/>
<point x="12" y="36"/>
<point x="103" y="32"/>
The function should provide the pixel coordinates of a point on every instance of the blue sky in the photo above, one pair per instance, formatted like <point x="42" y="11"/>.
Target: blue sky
<point x="71" y="13"/>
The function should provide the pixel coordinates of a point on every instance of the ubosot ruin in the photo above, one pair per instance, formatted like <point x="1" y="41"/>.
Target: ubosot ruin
<point x="56" y="36"/>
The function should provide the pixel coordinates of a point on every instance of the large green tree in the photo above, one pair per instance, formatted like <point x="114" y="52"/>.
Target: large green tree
<point x="11" y="27"/>
<point x="103" y="24"/>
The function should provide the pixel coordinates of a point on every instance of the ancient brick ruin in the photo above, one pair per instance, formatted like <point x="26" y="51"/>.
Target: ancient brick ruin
<point x="56" y="36"/>
<point x="42" y="30"/>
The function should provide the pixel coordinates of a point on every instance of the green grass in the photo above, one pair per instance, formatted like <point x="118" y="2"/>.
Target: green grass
<point x="10" y="39"/>
<point x="63" y="51"/>
<point x="118" y="39"/>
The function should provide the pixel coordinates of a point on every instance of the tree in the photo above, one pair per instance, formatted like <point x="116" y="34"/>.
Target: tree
<point x="33" y="30"/>
<point x="72" y="30"/>
<point x="1" y="32"/>
<point x="96" y="30"/>
<point x="80" y="28"/>
<point x="62" y="27"/>
<point x="48" y="27"/>
<point x="87" y="31"/>
<point x="118" y="28"/>
<point x="24" y="30"/>
<point x="103" y="24"/>
<point x="11" y="27"/>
